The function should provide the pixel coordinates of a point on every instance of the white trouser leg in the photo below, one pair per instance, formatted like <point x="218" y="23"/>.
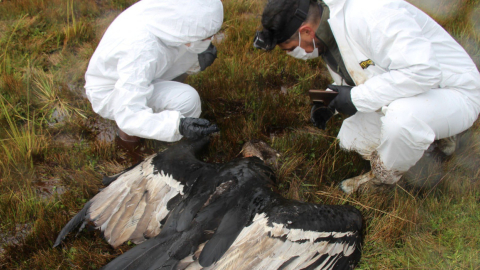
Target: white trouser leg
<point x="409" y="126"/>
<point x="361" y="133"/>
<point x="175" y="96"/>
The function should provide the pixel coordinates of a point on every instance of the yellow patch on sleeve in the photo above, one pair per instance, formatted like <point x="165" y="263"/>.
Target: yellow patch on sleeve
<point x="365" y="64"/>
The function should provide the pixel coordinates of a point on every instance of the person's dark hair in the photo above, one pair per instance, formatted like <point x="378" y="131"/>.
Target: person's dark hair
<point x="278" y="13"/>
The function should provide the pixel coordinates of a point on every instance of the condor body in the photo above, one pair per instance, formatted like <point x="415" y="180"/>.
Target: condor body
<point x="188" y="214"/>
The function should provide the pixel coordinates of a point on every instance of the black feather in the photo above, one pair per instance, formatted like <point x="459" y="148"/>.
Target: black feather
<point x="190" y="211"/>
<point x="78" y="219"/>
<point x="174" y="201"/>
<point x="232" y="224"/>
<point x="107" y="180"/>
<point x="316" y="217"/>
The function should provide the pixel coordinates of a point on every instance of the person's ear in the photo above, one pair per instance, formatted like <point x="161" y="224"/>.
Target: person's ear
<point x="306" y="30"/>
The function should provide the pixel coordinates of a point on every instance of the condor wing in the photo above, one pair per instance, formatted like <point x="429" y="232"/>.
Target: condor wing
<point x="294" y="236"/>
<point x="139" y="198"/>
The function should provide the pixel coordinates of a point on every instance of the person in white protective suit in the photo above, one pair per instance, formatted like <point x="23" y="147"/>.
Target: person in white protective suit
<point x="130" y="76"/>
<point x="404" y="81"/>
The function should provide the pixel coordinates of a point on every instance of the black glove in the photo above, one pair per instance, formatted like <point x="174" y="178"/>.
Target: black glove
<point x="343" y="101"/>
<point x="320" y="114"/>
<point x="196" y="128"/>
<point x="207" y="57"/>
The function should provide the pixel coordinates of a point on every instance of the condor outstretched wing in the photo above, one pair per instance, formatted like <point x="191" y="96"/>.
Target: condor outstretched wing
<point x="234" y="221"/>
<point x="293" y="236"/>
<point x="134" y="204"/>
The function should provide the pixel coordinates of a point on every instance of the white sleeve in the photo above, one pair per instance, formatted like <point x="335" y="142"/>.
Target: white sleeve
<point x="137" y="69"/>
<point x="395" y="43"/>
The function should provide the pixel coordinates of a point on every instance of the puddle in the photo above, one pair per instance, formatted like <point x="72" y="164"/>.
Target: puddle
<point x="15" y="238"/>
<point x="47" y="188"/>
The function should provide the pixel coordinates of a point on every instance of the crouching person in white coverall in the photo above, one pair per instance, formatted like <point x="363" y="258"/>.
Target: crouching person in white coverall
<point x="404" y="81"/>
<point x="130" y="76"/>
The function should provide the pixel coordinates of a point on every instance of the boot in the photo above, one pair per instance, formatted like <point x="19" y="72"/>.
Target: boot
<point x="365" y="183"/>
<point x="351" y="185"/>
<point x="447" y="145"/>
<point x="379" y="179"/>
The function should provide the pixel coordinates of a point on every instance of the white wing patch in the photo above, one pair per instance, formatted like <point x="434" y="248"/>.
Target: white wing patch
<point x="132" y="206"/>
<point x="172" y="183"/>
<point x="279" y="230"/>
<point x="254" y="249"/>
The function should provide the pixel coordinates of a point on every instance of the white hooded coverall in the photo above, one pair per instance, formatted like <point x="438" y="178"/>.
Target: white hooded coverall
<point x="417" y="83"/>
<point x="129" y="76"/>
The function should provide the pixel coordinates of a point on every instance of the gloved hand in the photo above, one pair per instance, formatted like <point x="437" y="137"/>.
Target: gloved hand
<point x="196" y="128"/>
<point x="207" y="57"/>
<point x="343" y="101"/>
<point x="320" y="114"/>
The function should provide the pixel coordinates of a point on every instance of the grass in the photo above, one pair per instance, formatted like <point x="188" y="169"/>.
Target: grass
<point x="52" y="160"/>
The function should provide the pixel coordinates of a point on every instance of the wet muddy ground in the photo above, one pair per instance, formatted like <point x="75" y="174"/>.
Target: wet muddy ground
<point x="101" y="129"/>
<point x="47" y="188"/>
<point x="16" y="237"/>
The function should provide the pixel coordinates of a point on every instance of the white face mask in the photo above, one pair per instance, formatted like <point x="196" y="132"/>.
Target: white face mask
<point x="199" y="46"/>
<point x="300" y="52"/>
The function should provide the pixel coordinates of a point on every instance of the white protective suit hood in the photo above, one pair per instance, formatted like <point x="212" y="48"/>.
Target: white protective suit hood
<point x="181" y="21"/>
